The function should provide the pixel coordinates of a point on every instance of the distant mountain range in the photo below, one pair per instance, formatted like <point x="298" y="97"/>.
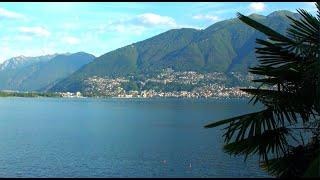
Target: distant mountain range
<point x="40" y="73"/>
<point x="22" y="61"/>
<point x="222" y="47"/>
<point x="225" y="46"/>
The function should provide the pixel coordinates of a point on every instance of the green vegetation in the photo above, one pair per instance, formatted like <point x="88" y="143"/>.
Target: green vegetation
<point x="286" y="133"/>
<point x="28" y="94"/>
<point x="225" y="46"/>
<point x="130" y="86"/>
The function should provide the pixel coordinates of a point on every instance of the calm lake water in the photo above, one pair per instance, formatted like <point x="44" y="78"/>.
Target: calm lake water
<point x="53" y="137"/>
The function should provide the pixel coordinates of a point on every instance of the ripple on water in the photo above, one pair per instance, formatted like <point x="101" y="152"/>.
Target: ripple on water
<point x="46" y="137"/>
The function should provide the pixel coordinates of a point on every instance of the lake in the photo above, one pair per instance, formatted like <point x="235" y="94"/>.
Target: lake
<point x="60" y="137"/>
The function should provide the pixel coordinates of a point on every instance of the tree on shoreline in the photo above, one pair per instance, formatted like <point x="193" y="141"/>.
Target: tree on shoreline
<point x="286" y="133"/>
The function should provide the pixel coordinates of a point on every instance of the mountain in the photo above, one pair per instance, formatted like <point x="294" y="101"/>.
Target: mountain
<point x="40" y="74"/>
<point x="22" y="61"/>
<point x="222" y="47"/>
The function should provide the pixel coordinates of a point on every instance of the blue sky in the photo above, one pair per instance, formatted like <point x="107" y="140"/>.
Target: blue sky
<point x="35" y="28"/>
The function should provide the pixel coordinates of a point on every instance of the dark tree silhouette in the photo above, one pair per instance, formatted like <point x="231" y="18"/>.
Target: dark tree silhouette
<point x="286" y="133"/>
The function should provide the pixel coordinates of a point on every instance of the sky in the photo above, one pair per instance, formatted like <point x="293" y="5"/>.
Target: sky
<point x="39" y="28"/>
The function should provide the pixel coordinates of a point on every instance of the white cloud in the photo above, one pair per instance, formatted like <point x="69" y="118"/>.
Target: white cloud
<point x="137" y="24"/>
<point x="6" y="14"/>
<point x="151" y="19"/>
<point x="146" y="20"/>
<point x="70" y="40"/>
<point x="37" y="31"/>
<point x="257" y="6"/>
<point x="206" y="17"/>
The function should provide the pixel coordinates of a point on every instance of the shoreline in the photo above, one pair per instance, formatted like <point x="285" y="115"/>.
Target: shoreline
<point x="200" y="98"/>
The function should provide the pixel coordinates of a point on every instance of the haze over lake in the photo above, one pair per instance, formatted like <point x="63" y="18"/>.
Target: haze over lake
<point x="61" y="137"/>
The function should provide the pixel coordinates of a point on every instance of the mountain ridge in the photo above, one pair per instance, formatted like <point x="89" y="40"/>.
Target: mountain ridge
<point x="19" y="61"/>
<point x="37" y="74"/>
<point x="224" y="46"/>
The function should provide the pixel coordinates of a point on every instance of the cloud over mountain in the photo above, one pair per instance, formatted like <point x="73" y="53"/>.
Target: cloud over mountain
<point x="257" y="6"/>
<point x="71" y="40"/>
<point x="151" y="19"/>
<point x="208" y="17"/>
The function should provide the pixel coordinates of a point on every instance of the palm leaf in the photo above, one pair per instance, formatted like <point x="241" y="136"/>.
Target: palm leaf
<point x="306" y="29"/>
<point x="295" y="163"/>
<point x="314" y="168"/>
<point x="269" y="141"/>
<point x="273" y="35"/>
<point x="218" y="123"/>
<point x="290" y="67"/>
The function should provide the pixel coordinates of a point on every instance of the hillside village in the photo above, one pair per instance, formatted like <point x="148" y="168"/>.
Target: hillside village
<point x="187" y="84"/>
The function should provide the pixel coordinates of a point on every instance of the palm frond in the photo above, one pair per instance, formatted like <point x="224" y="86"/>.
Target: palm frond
<point x="318" y="10"/>
<point x="295" y="163"/>
<point x="278" y="101"/>
<point x="273" y="141"/>
<point x="271" y="54"/>
<point x="269" y="81"/>
<point x="290" y="67"/>
<point x="273" y="35"/>
<point x="306" y="28"/>
<point x="218" y="123"/>
<point x="286" y="71"/>
<point x="313" y="169"/>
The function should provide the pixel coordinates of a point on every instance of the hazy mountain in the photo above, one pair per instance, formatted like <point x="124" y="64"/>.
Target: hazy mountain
<point x="224" y="46"/>
<point x="22" y="61"/>
<point x="40" y="72"/>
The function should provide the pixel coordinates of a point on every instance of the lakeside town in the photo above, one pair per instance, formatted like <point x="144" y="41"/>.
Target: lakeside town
<point x="168" y="83"/>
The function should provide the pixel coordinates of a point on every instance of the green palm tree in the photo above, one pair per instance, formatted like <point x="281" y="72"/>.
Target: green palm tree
<point x="286" y="133"/>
